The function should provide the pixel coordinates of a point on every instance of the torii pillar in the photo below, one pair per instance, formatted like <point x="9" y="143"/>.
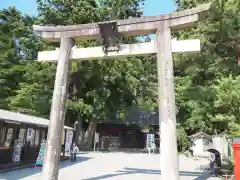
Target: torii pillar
<point x="166" y="98"/>
<point x="163" y="47"/>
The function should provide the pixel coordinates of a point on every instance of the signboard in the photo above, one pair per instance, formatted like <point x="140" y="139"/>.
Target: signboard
<point x="68" y="142"/>
<point x="17" y="149"/>
<point x="29" y="134"/>
<point x="9" y="137"/>
<point x="96" y="138"/>
<point x="41" y="154"/>
<point x="37" y="137"/>
<point x="21" y="134"/>
<point x="150" y="141"/>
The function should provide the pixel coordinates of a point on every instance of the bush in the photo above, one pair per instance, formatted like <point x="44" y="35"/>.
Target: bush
<point x="182" y="139"/>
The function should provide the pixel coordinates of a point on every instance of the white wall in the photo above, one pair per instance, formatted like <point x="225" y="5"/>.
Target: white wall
<point x="220" y="143"/>
<point x="198" y="146"/>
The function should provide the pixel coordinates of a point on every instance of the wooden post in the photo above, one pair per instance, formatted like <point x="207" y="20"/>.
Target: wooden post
<point x="53" y="144"/>
<point x="94" y="145"/>
<point x="167" y="115"/>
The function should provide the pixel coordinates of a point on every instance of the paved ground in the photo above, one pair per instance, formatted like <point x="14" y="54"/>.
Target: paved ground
<point x="115" y="166"/>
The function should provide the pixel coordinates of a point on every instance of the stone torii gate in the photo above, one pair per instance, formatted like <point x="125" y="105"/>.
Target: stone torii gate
<point x="163" y="46"/>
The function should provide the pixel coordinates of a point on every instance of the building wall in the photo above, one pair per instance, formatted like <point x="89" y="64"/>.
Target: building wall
<point x="29" y="149"/>
<point x="202" y="144"/>
<point x="130" y="136"/>
<point x="220" y="143"/>
<point x="198" y="146"/>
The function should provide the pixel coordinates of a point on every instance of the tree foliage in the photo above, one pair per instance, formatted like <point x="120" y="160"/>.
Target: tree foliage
<point x="17" y="43"/>
<point x="206" y="82"/>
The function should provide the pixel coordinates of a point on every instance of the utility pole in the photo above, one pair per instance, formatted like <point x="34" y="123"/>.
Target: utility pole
<point x="57" y="116"/>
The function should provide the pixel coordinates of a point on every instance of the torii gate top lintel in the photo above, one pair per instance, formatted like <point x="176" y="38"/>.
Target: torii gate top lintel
<point x="127" y="27"/>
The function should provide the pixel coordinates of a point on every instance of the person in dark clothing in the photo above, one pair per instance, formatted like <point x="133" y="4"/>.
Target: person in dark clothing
<point x="212" y="162"/>
<point x="191" y="152"/>
<point x="218" y="163"/>
<point x="218" y="160"/>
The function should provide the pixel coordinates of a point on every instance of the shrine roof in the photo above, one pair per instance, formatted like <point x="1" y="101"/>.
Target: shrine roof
<point x="16" y="117"/>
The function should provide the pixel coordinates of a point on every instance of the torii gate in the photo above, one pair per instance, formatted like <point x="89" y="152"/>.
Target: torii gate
<point x="163" y="46"/>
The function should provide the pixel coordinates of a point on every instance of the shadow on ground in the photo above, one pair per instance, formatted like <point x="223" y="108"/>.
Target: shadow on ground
<point x="23" y="173"/>
<point x="127" y="171"/>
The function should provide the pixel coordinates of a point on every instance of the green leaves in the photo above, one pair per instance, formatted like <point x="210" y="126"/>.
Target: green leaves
<point x="32" y="99"/>
<point x="100" y="89"/>
<point x="11" y="26"/>
<point x="61" y="12"/>
<point x="206" y="83"/>
<point x="35" y="90"/>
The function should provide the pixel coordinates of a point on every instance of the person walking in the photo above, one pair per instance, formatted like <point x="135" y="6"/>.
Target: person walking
<point x="212" y="162"/>
<point x="153" y="147"/>
<point x="74" y="151"/>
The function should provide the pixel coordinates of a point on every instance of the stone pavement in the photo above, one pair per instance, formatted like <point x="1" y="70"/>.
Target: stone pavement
<point x="115" y="166"/>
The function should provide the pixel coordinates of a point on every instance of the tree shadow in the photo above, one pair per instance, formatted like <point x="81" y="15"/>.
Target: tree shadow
<point x="128" y="171"/>
<point x="23" y="173"/>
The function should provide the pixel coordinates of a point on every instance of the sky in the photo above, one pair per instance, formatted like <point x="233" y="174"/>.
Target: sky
<point x="151" y="8"/>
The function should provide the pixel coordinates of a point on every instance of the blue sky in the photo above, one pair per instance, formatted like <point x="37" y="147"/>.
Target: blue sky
<point x="151" y="8"/>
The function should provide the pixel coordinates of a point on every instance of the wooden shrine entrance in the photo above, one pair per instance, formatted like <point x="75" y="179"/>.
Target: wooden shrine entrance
<point x="163" y="46"/>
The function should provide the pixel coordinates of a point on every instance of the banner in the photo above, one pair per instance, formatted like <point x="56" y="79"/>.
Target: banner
<point x="150" y="141"/>
<point x="41" y="154"/>
<point x="18" y="144"/>
<point x="68" y="142"/>
<point x="96" y="138"/>
<point x="30" y="134"/>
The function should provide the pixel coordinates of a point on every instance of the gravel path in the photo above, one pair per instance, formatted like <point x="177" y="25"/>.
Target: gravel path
<point x="116" y="166"/>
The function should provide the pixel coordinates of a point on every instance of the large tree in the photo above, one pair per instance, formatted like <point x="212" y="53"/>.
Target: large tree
<point x="17" y="44"/>
<point x="198" y="77"/>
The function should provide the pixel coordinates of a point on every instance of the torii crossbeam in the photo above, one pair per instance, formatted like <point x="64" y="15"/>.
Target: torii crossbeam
<point x="163" y="46"/>
<point x="138" y="49"/>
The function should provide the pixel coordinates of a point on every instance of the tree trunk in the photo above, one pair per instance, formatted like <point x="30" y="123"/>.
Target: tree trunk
<point x="89" y="134"/>
<point x="79" y="134"/>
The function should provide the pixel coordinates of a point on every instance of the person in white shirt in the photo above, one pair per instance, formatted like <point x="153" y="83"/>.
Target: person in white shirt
<point x="153" y="147"/>
<point x="74" y="151"/>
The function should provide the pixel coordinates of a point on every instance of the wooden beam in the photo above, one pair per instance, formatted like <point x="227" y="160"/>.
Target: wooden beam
<point x="125" y="50"/>
<point x="128" y="27"/>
